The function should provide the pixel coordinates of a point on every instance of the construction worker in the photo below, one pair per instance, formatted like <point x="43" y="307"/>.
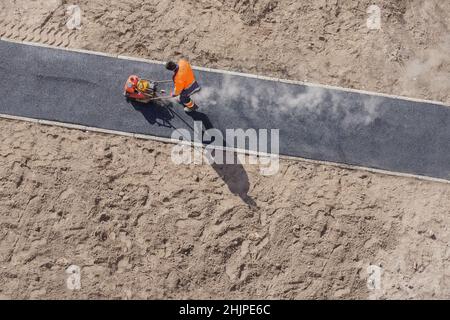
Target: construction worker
<point x="185" y="83"/>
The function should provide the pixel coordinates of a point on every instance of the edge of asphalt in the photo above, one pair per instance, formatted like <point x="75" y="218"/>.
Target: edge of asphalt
<point x="241" y="74"/>
<point x="235" y="150"/>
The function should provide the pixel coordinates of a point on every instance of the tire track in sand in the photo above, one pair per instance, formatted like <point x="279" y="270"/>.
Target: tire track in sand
<point x="50" y="35"/>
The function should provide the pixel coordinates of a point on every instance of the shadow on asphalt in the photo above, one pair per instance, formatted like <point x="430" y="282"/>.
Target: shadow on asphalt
<point x="155" y="113"/>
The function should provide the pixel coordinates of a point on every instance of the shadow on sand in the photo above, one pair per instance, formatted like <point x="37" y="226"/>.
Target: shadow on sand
<point x="234" y="175"/>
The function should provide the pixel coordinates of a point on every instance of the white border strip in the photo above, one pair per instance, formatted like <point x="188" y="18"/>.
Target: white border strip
<point x="246" y="75"/>
<point x="236" y="150"/>
<point x="43" y="45"/>
<point x="139" y="59"/>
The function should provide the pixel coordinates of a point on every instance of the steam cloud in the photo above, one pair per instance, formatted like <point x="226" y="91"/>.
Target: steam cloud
<point x="285" y="99"/>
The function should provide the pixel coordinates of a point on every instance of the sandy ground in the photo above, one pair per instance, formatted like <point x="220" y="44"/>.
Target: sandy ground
<point x="141" y="227"/>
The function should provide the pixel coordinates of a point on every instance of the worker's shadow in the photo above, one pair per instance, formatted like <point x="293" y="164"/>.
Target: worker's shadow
<point x="234" y="175"/>
<point x="158" y="112"/>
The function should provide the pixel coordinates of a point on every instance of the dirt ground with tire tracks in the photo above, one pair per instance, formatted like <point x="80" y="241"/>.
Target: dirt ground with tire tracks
<point x="140" y="226"/>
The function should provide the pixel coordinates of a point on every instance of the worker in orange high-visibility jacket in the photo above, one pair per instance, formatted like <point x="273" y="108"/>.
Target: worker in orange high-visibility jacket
<point x="185" y="83"/>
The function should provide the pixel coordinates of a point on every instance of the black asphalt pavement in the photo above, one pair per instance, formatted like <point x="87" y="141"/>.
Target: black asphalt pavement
<point x="315" y="123"/>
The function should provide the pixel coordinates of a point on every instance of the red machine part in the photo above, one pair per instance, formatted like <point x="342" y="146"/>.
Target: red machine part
<point x="131" y="88"/>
